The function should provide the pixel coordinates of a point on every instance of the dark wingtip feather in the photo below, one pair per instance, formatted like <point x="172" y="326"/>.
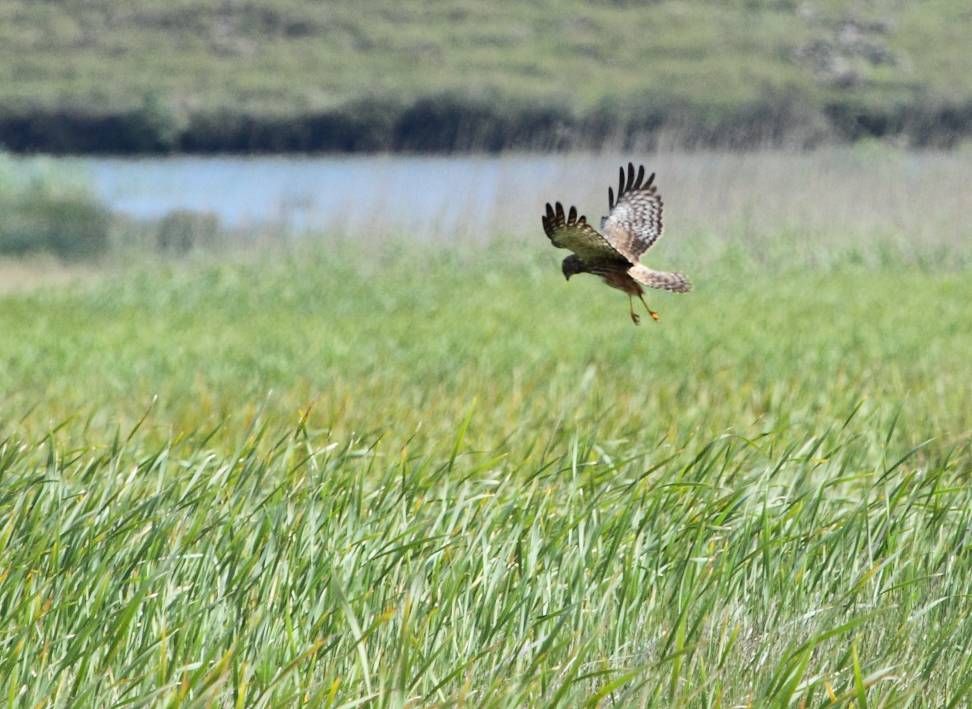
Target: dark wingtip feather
<point x="631" y="175"/>
<point x="620" y="182"/>
<point x="572" y="216"/>
<point x="640" y="177"/>
<point x="610" y="198"/>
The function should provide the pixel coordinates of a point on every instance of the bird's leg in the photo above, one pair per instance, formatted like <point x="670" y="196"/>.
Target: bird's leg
<point x="654" y="316"/>
<point x="634" y="316"/>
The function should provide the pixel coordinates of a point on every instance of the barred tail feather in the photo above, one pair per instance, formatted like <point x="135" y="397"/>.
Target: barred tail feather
<point x="665" y="280"/>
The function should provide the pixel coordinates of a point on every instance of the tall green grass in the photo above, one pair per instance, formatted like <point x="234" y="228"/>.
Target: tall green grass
<point x="368" y="473"/>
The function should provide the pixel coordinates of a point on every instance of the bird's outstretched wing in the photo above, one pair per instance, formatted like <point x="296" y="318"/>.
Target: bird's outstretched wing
<point x="568" y="231"/>
<point x="665" y="280"/>
<point x="635" y="221"/>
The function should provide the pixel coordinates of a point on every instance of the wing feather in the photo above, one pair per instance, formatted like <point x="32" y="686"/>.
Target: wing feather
<point x="572" y="232"/>
<point x="635" y="221"/>
<point x="665" y="280"/>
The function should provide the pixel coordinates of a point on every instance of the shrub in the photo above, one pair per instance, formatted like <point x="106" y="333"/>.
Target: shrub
<point x="183" y="230"/>
<point x="47" y="211"/>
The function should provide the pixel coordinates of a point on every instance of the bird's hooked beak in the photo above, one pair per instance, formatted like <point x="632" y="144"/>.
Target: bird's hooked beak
<point x="568" y="268"/>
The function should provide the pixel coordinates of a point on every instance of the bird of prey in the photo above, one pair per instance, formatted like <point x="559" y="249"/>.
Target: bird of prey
<point x="613" y="253"/>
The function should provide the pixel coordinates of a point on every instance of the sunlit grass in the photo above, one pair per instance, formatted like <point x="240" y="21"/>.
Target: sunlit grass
<point x="405" y="476"/>
<point x="200" y="54"/>
<point x="830" y="69"/>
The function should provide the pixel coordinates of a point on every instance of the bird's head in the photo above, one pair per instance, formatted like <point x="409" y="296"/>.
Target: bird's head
<point x="572" y="265"/>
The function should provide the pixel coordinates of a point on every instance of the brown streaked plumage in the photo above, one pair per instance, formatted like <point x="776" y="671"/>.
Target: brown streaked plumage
<point x="632" y="226"/>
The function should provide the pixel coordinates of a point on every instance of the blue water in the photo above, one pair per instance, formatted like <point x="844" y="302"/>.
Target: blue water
<point x="417" y="194"/>
<point x="484" y="196"/>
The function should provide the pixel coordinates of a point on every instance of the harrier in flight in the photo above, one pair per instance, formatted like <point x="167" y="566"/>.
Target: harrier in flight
<point x="613" y="253"/>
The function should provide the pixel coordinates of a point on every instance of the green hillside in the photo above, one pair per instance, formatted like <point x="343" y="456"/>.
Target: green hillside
<point x="294" y="74"/>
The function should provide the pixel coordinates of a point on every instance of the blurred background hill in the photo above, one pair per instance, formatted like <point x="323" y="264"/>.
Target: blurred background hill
<point x="289" y="75"/>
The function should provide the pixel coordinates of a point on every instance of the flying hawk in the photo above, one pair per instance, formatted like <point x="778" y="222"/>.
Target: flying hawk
<point x="632" y="226"/>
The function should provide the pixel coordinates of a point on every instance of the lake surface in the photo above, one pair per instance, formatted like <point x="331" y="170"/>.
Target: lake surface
<point x="415" y="194"/>
<point x="737" y="195"/>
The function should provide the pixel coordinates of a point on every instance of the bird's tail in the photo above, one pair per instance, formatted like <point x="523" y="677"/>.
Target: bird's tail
<point x="665" y="280"/>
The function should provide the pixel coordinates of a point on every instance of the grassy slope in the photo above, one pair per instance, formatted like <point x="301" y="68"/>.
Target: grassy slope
<point x="293" y="57"/>
<point x="473" y="481"/>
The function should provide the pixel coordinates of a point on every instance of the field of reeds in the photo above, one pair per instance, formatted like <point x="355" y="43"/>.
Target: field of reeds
<point x="375" y="469"/>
